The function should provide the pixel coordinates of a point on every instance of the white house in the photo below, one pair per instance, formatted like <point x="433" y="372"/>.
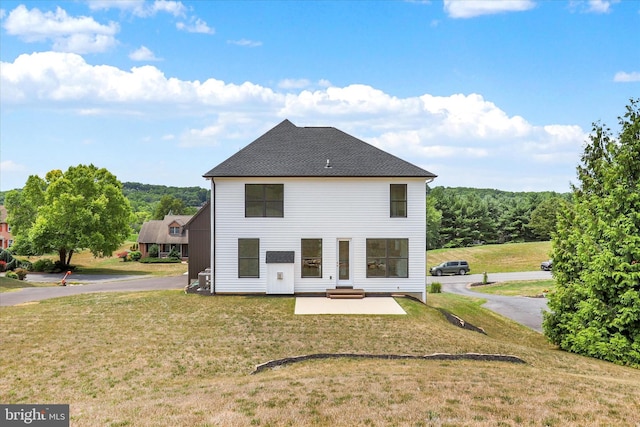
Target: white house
<point x="305" y="209"/>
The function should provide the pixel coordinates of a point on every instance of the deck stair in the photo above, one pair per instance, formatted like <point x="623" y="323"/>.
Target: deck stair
<point x="345" y="293"/>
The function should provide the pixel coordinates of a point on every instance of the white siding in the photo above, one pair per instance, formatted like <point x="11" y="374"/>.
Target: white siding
<point x="326" y="208"/>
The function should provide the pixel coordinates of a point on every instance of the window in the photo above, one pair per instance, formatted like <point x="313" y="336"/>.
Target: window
<point x="311" y="257"/>
<point x="387" y="257"/>
<point x="398" y="200"/>
<point x="248" y="257"/>
<point x="174" y="231"/>
<point x="264" y="200"/>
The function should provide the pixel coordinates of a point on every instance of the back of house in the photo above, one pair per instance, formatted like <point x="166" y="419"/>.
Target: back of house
<point x="305" y="209"/>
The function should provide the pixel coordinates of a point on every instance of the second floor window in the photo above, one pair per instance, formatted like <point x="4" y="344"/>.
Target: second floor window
<point x="174" y="231"/>
<point x="398" y="200"/>
<point x="264" y="200"/>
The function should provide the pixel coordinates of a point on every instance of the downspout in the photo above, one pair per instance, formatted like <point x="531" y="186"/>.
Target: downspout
<point x="427" y="182"/>
<point x="212" y="256"/>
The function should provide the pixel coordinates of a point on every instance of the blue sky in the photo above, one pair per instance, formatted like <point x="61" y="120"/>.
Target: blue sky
<point x="484" y="93"/>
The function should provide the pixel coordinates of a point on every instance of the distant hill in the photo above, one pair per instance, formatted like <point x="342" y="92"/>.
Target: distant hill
<point x="146" y="193"/>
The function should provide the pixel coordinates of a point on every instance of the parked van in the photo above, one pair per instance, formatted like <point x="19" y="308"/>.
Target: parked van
<point x="450" y="267"/>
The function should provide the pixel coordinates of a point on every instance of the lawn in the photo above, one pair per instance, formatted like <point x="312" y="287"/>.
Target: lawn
<point x="509" y="257"/>
<point x="519" y="288"/>
<point x="170" y="359"/>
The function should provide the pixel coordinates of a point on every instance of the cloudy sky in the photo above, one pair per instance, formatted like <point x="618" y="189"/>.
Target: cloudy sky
<point x="484" y="93"/>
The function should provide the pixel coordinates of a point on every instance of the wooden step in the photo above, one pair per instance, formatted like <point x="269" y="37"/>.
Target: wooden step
<point x="345" y="293"/>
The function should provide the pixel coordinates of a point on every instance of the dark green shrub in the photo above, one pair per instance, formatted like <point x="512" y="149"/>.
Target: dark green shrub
<point x="135" y="255"/>
<point x="44" y="265"/>
<point x="23" y="263"/>
<point x="174" y="253"/>
<point x="154" y="251"/>
<point x="435" y="288"/>
<point x="149" y="260"/>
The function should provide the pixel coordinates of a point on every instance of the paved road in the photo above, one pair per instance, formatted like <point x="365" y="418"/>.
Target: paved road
<point x="81" y="284"/>
<point x="526" y="311"/>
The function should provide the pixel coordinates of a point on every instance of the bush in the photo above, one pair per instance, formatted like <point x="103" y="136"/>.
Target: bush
<point x="174" y="253"/>
<point x="134" y="247"/>
<point x="154" y="251"/>
<point x="435" y="288"/>
<point x="150" y="260"/>
<point x="44" y="265"/>
<point x="485" y="278"/>
<point x="11" y="275"/>
<point x="135" y="255"/>
<point x="3" y="265"/>
<point x="123" y="255"/>
<point x="21" y="273"/>
<point x="25" y="264"/>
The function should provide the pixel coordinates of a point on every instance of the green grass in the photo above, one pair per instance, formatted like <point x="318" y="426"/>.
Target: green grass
<point x="9" y="285"/>
<point x="510" y="257"/>
<point x="525" y="288"/>
<point x="167" y="358"/>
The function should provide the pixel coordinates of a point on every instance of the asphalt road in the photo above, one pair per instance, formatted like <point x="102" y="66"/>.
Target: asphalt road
<point x="524" y="310"/>
<point x="81" y="284"/>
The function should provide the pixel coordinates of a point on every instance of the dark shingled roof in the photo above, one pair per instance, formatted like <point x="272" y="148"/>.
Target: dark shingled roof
<point x="289" y="150"/>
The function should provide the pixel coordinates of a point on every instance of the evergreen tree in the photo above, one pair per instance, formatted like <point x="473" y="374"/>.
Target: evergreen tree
<point x="595" y="310"/>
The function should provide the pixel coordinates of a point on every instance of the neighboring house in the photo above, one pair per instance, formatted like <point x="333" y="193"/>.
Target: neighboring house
<point x="167" y="233"/>
<point x="305" y="209"/>
<point x="6" y="239"/>
<point x="199" y="232"/>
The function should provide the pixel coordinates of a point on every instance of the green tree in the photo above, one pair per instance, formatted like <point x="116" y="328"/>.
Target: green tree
<point x="82" y="208"/>
<point x="595" y="310"/>
<point x="169" y="204"/>
<point x="434" y="217"/>
<point x="544" y="217"/>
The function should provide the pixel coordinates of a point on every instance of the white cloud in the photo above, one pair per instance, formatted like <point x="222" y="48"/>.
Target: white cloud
<point x="11" y="166"/>
<point x="140" y="8"/>
<point x="471" y="9"/>
<point x="143" y="54"/>
<point x="623" y="77"/>
<point x="293" y="83"/>
<point x="592" y="6"/>
<point x="459" y="128"/>
<point x="66" y="33"/>
<point x="245" y="43"/>
<point x="195" y="25"/>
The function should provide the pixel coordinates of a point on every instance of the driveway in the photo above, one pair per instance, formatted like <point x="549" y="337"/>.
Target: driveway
<point x="82" y="284"/>
<point x="524" y="310"/>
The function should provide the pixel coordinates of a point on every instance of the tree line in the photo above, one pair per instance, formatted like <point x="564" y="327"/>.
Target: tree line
<point x="460" y="216"/>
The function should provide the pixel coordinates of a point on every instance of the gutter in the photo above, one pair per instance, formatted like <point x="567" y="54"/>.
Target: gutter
<point x="212" y="257"/>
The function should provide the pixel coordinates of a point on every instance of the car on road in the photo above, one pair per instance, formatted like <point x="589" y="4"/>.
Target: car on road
<point x="547" y="265"/>
<point x="450" y="267"/>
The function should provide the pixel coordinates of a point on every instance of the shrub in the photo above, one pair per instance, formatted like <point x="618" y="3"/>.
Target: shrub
<point x="134" y="247"/>
<point x="123" y="255"/>
<point x="485" y="278"/>
<point x="435" y="288"/>
<point x="135" y="255"/>
<point x="154" y="251"/>
<point x="44" y="265"/>
<point x="11" y="275"/>
<point x="3" y="265"/>
<point x="150" y="260"/>
<point x="25" y="264"/>
<point x="174" y="253"/>
<point x="21" y="273"/>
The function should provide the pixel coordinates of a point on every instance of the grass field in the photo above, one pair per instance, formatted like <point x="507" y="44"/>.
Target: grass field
<point x="171" y="359"/>
<point x="505" y="258"/>
<point x="520" y="288"/>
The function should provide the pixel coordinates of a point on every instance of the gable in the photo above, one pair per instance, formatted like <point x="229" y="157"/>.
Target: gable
<point x="291" y="151"/>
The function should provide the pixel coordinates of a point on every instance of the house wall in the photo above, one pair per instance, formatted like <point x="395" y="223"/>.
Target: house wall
<point x="199" y="242"/>
<point x="327" y="208"/>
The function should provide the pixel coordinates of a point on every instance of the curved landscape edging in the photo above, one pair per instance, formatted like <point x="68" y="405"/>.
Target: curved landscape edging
<point x="436" y="356"/>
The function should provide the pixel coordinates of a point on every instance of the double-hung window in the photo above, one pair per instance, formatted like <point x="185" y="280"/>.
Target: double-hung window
<point x="264" y="200"/>
<point x="311" y="257"/>
<point x="248" y="257"/>
<point x="388" y="258"/>
<point x="398" y="200"/>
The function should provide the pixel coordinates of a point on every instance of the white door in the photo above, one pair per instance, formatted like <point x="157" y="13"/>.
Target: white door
<point x="344" y="263"/>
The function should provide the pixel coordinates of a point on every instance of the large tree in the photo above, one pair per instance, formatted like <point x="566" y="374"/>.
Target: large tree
<point x="82" y="208"/>
<point x="595" y="310"/>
